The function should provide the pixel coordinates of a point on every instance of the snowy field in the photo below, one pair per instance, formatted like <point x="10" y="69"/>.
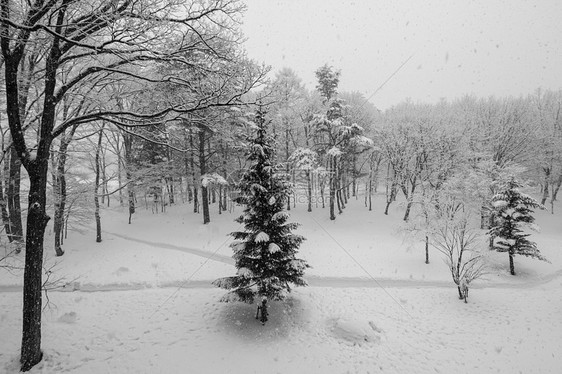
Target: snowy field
<point x="141" y="302"/>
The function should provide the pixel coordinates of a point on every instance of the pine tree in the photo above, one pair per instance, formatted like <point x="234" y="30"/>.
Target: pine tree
<point x="265" y="250"/>
<point x="513" y="211"/>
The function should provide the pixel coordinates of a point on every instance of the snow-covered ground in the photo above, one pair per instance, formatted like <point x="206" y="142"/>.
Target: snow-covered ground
<point x="141" y="302"/>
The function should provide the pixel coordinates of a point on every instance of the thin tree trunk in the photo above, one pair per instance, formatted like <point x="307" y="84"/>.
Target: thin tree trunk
<point x="96" y="187"/>
<point x="370" y="194"/>
<point x="546" y="185"/>
<point x="554" y="194"/>
<point x="120" y="172"/>
<point x="128" y="147"/>
<point x="332" y="181"/>
<point x="5" y="216"/>
<point x="309" y="190"/>
<point x="511" y="264"/>
<point x="220" y="198"/>
<point x="354" y="176"/>
<point x="13" y="196"/>
<point x="4" y="201"/>
<point x="203" y="170"/>
<point x="426" y="249"/>
<point x="390" y="191"/>
<point x="59" y="189"/>
<point x="193" y="175"/>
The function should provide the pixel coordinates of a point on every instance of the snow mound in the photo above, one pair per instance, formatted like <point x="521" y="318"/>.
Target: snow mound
<point x="68" y="318"/>
<point x="356" y="332"/>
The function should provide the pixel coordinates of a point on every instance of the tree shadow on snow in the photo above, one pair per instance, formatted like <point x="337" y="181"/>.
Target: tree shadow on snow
<point x="239" y="319"/>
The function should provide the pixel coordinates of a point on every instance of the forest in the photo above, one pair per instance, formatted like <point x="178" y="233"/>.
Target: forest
<point x="146" y="105"/>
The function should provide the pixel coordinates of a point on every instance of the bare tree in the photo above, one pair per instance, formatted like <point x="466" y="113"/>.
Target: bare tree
<point x="453" y="236"/>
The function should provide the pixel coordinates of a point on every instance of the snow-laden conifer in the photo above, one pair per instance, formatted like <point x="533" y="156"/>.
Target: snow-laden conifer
<point x="513" y="213"/>
<point x="265" y="251"/>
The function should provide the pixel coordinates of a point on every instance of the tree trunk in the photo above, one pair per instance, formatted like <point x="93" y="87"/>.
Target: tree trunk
<point x="59" y="189"/>
<point x="193" y="175"/>
<point x="120" y="174"/>
<point x="309" y="190"/>
<point x="187" y="163"/>
<point x="461" y="296"/>
<point x="409" y="197"/>
<point x="370" y="194"/>
<point x="128" y="147"/>
<point x="171" y="192"/>
<point x="220" y="198"/>
<point x="203" y="170"/>
<point x="390" y="190"/>
<point x="32" y="284"/>
<point x="3" y="206"/>
<point x="556" y="189"/>
<point x="546" y="185"/>
<point x="426" y="249"/>
<point x="96" y="187"/>
<point x="13" y="196"/>
<point x="511" y="265"/>
<point x="407" y="212"/>
<point x="354" y="176"/>
<point x="332" y="181"/>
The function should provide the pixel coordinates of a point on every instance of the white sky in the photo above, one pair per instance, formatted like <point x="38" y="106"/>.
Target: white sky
<point x="483" y="47"/>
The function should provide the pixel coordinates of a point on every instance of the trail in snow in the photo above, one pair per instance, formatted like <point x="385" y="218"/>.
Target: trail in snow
<point x="194" y="251"/>
<point x="313" y="281"/>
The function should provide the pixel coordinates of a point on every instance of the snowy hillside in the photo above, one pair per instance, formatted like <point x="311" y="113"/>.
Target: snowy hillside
<point x="141" y="302"/>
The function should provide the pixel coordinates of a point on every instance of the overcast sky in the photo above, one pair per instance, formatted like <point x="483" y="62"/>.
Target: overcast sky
<point x="484" y="47"/>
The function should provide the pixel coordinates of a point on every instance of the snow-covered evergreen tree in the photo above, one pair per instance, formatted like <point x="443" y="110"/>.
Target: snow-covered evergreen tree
<point x="513" y="211"/>
<point x="265" y="250"/>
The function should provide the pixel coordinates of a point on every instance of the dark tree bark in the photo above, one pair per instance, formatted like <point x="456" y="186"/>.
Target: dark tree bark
<point x="193" y="174"/>
<point x="13" y="197"/>
<point x="5" y="216"/>
<point x="37" y="220"/>
<point x="203" y="170"/>
<point x="546" y="185"/>
<point x="390" y="190"/>
<point x="426" y="249"/>
<point x="511" y="264"/>
<point x="332" y="181"/>
<point x="128" y="149"/>
<point x="97" y="186"/>
<point x="309" y="190"/>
